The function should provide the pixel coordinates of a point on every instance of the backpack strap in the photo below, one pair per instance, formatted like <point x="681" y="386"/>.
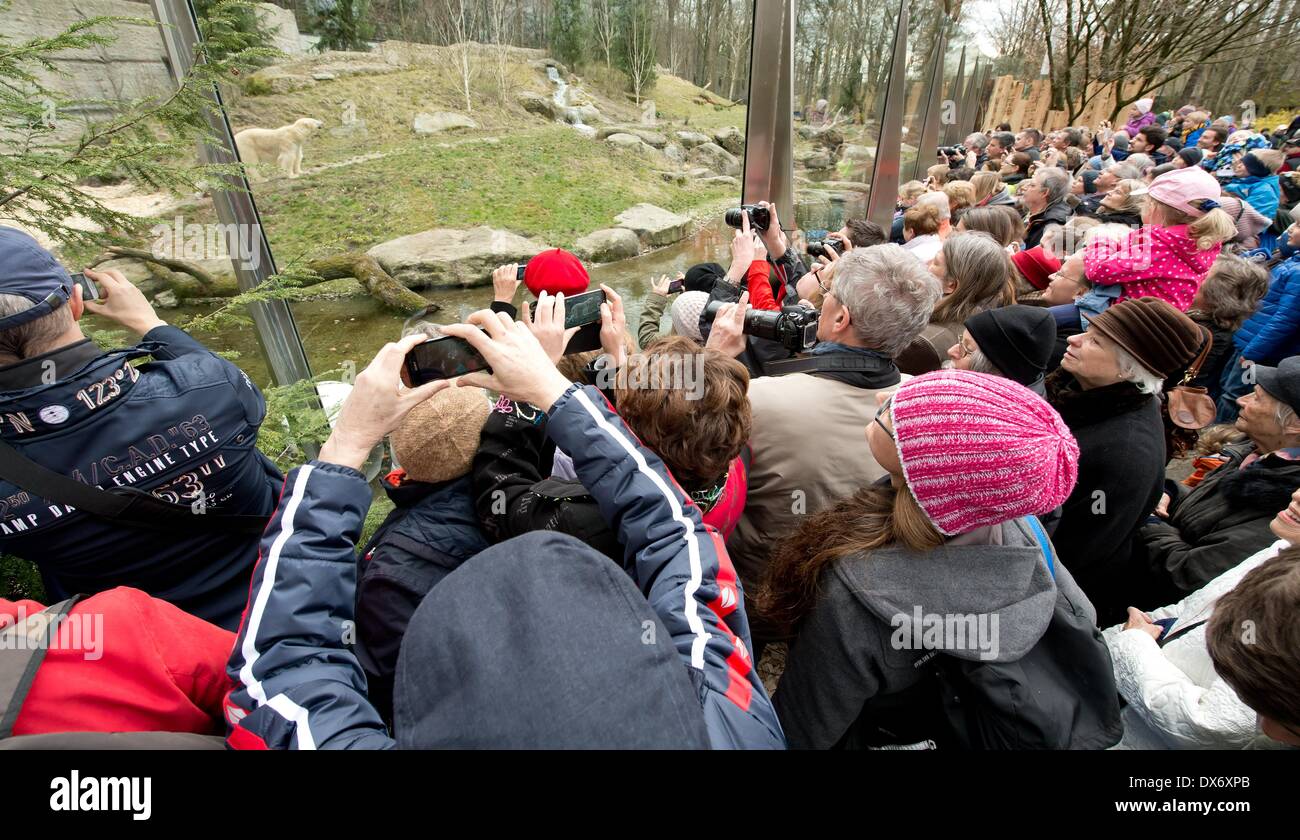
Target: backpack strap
<point x="1044" y="544"/>
<point x="21" y="654"/>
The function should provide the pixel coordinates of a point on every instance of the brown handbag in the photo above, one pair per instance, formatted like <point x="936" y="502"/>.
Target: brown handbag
<point x="1191" y="407"/>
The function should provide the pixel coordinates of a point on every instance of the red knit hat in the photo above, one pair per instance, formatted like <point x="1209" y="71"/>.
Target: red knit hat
<point x="1036" y="265"/>
<point x="556" y="271"/>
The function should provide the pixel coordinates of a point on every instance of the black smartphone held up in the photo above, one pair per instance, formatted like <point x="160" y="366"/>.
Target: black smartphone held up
<point x="443" y="357"/>
<point x="89" y="291"/>
<point x="676" y="286"/>
<point x="582" y="311"/>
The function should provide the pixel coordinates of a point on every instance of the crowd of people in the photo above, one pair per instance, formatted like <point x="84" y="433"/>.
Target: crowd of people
<point x="1020" y="471"/>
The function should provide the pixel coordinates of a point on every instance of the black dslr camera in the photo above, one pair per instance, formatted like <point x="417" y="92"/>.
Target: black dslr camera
<point x="794" y="328"/>
<point x="830" y="248"/>
<point x="759" y="217"/>
<point x="952" y="152"/>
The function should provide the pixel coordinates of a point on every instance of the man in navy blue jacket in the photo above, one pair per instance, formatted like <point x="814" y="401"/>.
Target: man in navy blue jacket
<point x="166" y="416"/>
<point x="538" y="641"/>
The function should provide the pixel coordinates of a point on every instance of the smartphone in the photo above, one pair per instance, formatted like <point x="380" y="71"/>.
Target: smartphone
<point x="89" y="291"/>
<point x="676" y="286"/>
<point x="443" y="357"/>
<point x="582" y="311"/>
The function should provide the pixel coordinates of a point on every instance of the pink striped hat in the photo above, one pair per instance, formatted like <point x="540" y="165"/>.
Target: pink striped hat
<point x="977" y="450"/>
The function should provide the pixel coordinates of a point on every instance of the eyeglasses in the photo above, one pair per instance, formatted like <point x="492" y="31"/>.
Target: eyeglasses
<point x="965" y="351"/>
<point x="881" y="413"/>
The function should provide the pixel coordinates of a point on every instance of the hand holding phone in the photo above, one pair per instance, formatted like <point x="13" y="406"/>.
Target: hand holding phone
<point x="442" y="357"/>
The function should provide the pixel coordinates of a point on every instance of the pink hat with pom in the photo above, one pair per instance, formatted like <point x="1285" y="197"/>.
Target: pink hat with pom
<point x="978" y="450"/>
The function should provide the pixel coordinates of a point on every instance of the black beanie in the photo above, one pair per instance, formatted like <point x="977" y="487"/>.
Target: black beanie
<point x="702" y="276"/>
<point x="1191" y="155"/>
<point x="1017" y="339"/>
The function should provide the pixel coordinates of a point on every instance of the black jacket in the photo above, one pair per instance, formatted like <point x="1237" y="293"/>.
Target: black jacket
<point x="1217" y="524"/>
<point x="1121" y="472"/>
<point x="428" y="535"/>
<point x="514" y="492"/>
<point x="1053" y="214"/>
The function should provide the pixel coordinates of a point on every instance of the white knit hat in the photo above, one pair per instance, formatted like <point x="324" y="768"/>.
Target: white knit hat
<point x="686" y="314"/>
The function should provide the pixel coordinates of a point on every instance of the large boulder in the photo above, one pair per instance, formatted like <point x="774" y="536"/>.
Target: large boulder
<point x="608" y="245"/>
<point x="861" y="154"/>
<point x="447" y="257"/>
<point x="828" y="138"/>
<point x="816" y="159"/>
<point x="279" y="80"/>
<point x="713" y="157"/>
<point x="675" y="153"/>
<point x="650" y="138"/>
<point x="653" y="225"/>
<point x="846" y="186"/>
<point x="586" y="113"/>
<point x="535" y="103"/>
<point x="440" y="121"/>
<point x="731" y="139"/>
<point x="623" y="140"/>
<point x="691" y="139"/>
<point x="812" y="208"/>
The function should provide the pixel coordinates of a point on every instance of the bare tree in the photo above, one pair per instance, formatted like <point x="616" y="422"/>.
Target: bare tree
<point x="455" y="25"/>
<point x="604" y="28"/>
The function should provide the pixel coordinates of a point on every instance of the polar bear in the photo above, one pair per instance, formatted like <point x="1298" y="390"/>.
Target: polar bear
<point x="282" y="146"/>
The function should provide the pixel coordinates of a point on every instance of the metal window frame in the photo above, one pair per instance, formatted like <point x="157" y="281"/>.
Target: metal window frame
<point x="769" y="121"/>
<point x="882" y="194"/>
<point x="277" y="332"/>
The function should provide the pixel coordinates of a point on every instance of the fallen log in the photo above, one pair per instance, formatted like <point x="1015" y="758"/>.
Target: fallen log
<point x="369" y="273"/>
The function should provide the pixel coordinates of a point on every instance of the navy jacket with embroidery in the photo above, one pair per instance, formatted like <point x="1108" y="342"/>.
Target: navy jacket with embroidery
<point x="182" y="426"/>
<point x="298" y="685"/>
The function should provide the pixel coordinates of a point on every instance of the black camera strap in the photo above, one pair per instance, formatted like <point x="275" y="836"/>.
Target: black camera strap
<point x="853" y="368"/>
<point x="124" y="505"/>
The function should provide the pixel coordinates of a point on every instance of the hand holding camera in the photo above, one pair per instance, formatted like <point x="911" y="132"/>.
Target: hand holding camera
<point x="121" y="302"/>
<point x="727" y="335"/>
<point x="505" y="282"/>
<point x="613" y="327"/>
<point x="521" y="369"/>
<point x="377" y="404"/>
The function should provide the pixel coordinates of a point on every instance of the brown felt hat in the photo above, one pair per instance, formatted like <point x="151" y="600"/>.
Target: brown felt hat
<point x="438" y="439"/>
<point x="1161" y="338"/>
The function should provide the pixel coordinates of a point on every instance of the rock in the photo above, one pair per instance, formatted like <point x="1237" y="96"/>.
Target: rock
<point x="715" y="159"/>
<point x="648" y="113"/>
<point x="863" y="154"/>
<point x="726" y="180"/>
<point x="654" y="226"/>
<point x="583" y="114"/>
<point x="815" y="159"/>
<point x="731" y="139"/>
<point x="324" y="76"/>
<point x="650" y="138"/>
<point x="625" y="141"/>
<point x="608" y="245"/>
<point x="137" y="271"/>
<point x="849" y="186"/>
<point x="543" y="63"/>
<point x="535" y="103"/>
<point x="675" y="153"/>
<point x="812" y="208"/>
<point x="440" y="121"/>
<point x="807" y="131"/>
<point x="356" y="129"/>
<point x="677" y="178"/>
<point x="447" y="257"/>
<point x="280" y="80"/>
<point x="698" y="172"/>
<point x="586" y="131"/>
<point x="691" y="139"/>
<point x="166" y="299"/>
<point x="827" y="138"/>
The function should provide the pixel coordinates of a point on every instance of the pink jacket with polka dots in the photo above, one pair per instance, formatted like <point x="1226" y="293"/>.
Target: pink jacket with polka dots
<point x="1154" y="261"/>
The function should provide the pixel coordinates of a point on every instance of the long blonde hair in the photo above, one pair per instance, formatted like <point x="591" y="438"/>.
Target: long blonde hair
<point x="985" y="184"/>
<point x="1213" y="228"/>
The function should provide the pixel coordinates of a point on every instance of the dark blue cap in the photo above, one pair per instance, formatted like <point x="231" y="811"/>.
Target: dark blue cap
<point x="29" y="270"/>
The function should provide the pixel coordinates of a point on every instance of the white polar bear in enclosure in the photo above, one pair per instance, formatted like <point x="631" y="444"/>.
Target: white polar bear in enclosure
<point x="281" y="146"/>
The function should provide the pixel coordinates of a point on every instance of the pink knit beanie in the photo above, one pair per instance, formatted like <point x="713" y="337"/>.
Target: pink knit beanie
<point x="978" y="450"/>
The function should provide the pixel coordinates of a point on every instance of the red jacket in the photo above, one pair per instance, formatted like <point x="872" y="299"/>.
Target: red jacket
<point x="759" y="282"/>
<point x="126" y="662"/>
<point x="726" y="512"/>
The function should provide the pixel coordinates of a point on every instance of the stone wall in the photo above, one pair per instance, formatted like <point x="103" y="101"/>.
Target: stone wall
<point x="132" y="66"/>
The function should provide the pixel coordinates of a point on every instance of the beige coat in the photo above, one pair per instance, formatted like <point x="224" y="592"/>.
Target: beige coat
<point x="809" y="451"/>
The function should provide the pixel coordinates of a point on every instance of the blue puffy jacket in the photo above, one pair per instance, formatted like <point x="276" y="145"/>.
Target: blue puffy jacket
<point x="1273" y="332"/>
<point x="182" y="426"/>
<point x="1264" y="194"/>
<point x="299" y="686"/>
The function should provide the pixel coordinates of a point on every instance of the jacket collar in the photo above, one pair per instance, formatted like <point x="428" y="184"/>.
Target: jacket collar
<point x="1079" y="407"/>
<point x="31" y="372"/>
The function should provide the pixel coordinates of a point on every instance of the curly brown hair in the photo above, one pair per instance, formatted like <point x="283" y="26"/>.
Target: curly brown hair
<point x="697" y="432"/>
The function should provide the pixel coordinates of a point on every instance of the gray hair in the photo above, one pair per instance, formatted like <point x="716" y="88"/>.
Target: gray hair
<point x="1132" y="371"/>
<point x="1141" y="160"/>
<point x="978" y="139"/>
<point x="1124" y="171"/>
<point x="1055" y="182"/>
<point x="34" y="337"/>
<point x="889" y="295"/>
<point x="940" y="201"/>
<point x="979" y="363"/>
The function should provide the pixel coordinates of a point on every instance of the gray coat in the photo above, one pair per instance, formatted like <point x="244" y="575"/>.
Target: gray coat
<point x="848" y="650"/>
